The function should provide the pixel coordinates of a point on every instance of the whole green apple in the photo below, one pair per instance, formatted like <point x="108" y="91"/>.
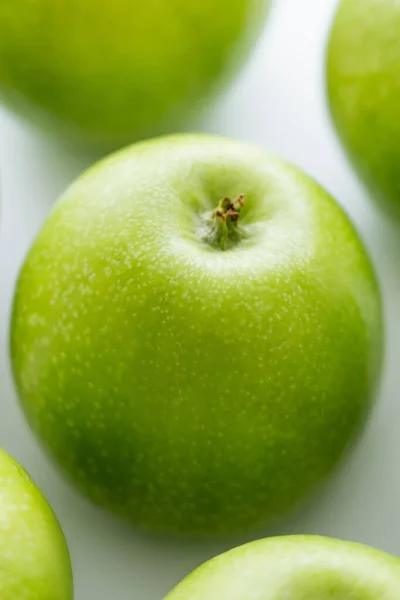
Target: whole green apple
<point x="364" y="92"/>
<point x="108" y="72"/>
<point x="302" y="567"/>
<point x="196" y="334"/>
<point x="34" y="560"/>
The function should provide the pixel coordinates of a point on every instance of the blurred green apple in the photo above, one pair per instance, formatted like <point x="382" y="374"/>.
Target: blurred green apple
<point x="295" y="568"/>
<point x="109" y="72"/>
<point x="34" y="560"/>
<point x="364" y="92"/>
<point x="196" y="364"/>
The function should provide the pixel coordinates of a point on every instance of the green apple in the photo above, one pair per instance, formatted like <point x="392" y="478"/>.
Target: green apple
<point x="302" y="567"/>
<point x="34" y="560"/>
<point x="196" y="334"/>
<point x="109" y="72"/>
<point x="364" y="91"/>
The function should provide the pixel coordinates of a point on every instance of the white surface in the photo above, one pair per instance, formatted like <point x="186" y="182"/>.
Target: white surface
<point x="279" y="103"/>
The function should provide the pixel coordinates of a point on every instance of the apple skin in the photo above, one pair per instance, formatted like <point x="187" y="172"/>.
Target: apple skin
<point x="107" y="72"/>
<point x="186" y="388"/>
<point x="302" y="567"/>
<point x="34" y="559"/>
<point x="363" y="74"/>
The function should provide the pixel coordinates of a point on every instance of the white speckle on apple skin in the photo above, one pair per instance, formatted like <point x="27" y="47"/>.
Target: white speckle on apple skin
<point x="183" y="387"/>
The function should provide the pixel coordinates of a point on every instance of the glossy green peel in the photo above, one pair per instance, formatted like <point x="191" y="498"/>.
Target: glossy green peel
<point x="184" y="386"/>
<point x="110" y="72"/>
<point x="363" y="71"/>
<point x="295" y="568"/>
<point x="34" y="560"/>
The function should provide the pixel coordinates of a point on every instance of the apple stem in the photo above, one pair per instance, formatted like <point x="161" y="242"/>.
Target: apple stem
<point x="224" y="220"/>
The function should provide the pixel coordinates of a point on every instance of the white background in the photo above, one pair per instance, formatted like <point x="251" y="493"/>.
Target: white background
<point x="277" y="102"/>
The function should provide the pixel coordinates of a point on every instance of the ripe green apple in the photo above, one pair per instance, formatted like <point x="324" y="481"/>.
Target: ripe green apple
<point x="109" y="72"/>
<point x="302" y="567"/>
<point x="364" y="91"/>
<point x="34" y="560"/>
<point x="196" y="334"/>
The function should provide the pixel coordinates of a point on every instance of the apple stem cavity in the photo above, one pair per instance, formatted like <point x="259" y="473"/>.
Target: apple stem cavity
<point x="224" y="222"/>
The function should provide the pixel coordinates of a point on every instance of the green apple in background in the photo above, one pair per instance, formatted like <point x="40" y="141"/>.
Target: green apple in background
<point x="295" y="568"/>
<point x="34" y="560"/>
<point x="109" y="72"/>
<point x="196" y="334"/>
<point x="364" y="92"/>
